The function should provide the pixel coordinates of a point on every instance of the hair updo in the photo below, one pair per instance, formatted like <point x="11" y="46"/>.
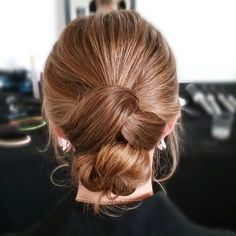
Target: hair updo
<point x="110" y="85"/>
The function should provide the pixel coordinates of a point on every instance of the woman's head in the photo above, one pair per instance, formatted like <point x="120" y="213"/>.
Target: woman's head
<point x="110" y="86"/>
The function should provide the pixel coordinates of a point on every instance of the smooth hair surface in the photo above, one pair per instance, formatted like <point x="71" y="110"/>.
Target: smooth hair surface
<point x="110" y="85"/>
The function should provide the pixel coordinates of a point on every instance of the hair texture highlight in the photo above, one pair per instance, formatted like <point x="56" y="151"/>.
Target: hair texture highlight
<point x="110" y="85"/>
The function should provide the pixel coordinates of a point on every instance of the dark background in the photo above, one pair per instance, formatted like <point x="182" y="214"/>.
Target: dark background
<point x="203" y="186"/>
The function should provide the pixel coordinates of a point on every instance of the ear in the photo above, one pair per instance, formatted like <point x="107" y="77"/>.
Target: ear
<point x="58" y="131"/>
<point x="61" y="139"/>
<point x="170" y="126"/>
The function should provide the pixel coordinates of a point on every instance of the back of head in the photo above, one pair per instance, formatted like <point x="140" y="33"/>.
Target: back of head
<point x="110" y="85"/>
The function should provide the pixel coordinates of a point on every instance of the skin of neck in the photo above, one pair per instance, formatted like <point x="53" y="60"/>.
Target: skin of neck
<point x="106" y="8"/>
<point x="143" y="191"/>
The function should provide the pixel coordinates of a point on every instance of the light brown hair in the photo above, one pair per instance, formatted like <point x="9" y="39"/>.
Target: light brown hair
<point x="110" y="85"/>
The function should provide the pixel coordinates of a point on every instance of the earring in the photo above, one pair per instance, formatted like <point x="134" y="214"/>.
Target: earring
<point x="64" y="144"/>
<point x="161" y="145"/>
<point x="67" y="147"/>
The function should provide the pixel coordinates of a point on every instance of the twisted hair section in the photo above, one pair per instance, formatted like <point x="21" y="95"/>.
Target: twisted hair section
<point x="108" y="115"/>
<point x="110" y="85"/>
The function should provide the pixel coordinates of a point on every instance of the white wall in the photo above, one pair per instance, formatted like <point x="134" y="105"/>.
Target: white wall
<point x="202" y="34"/>
<point x="28" y="29"/>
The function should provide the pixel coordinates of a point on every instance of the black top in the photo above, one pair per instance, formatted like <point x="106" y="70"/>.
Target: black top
<point x="156" y="215"/>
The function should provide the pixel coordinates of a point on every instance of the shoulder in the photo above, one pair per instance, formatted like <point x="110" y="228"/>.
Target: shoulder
<point x="164" y="218"/>
<point x="157" y="215"/>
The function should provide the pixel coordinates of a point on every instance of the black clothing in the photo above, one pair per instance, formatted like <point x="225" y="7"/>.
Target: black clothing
<point x="156" y="215"/>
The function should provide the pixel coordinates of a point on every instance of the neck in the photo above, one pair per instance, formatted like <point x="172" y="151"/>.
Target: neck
<point x="106" y="8"/>
<point x="143" y="191"/>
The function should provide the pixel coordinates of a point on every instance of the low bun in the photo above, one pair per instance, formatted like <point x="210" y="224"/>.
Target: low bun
<point x="115" y="170"/>
<point x="107" y="130"/>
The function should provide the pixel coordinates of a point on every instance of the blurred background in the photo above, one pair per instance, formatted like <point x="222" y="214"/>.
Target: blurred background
<point x="202" y="35"/>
